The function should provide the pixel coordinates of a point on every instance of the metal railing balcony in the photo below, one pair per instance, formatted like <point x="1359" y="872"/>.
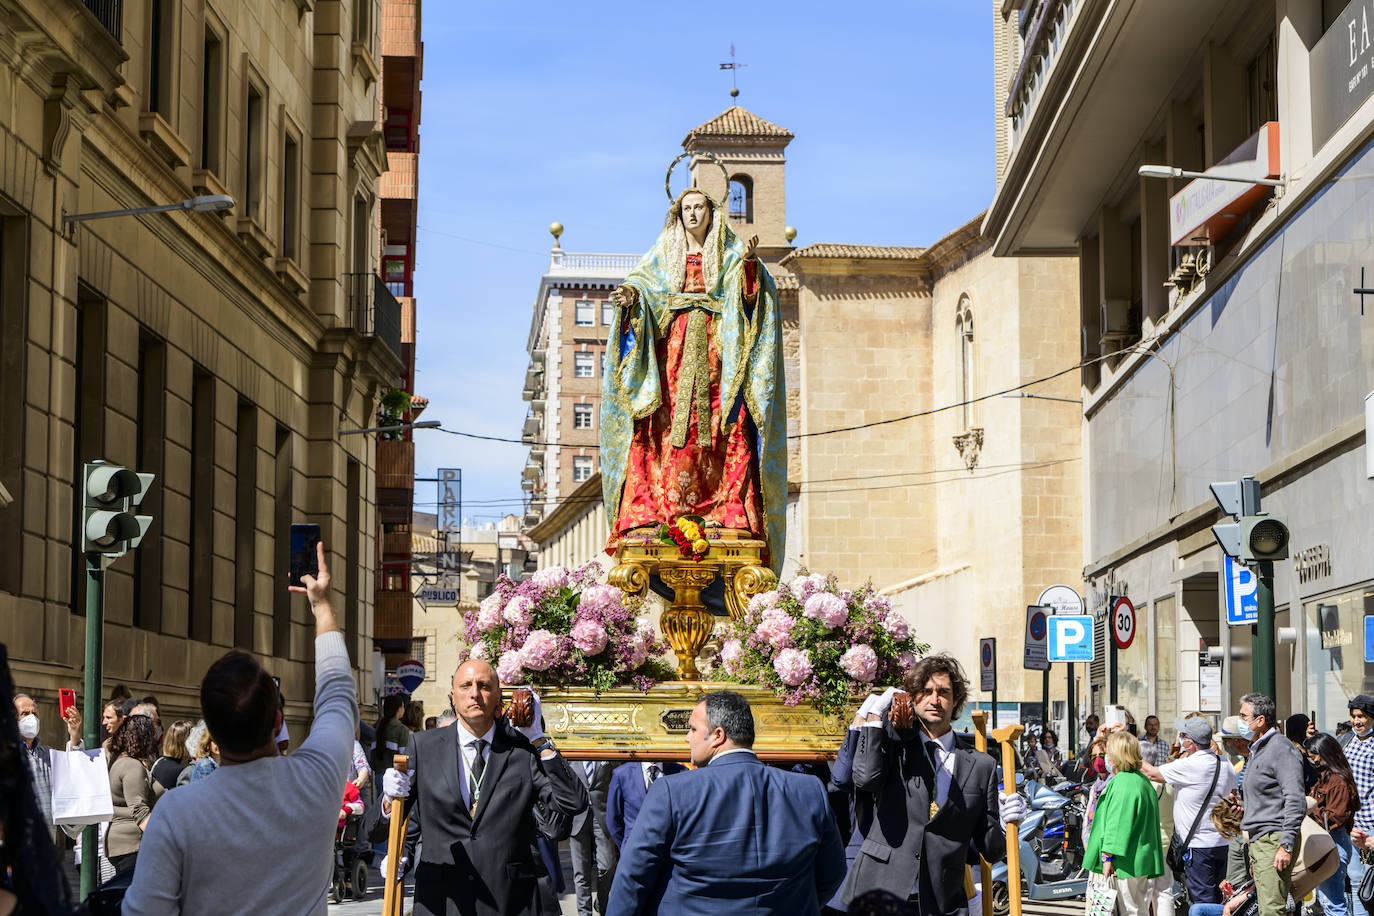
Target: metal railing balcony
<point x="373" y="310"/>
<point x="111" y="16"/>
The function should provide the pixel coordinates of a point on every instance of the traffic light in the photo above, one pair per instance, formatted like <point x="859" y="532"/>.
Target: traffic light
<point x="109" y="494"/>
<point x="1251" y="536"/>
<point x="1263" y="537"/>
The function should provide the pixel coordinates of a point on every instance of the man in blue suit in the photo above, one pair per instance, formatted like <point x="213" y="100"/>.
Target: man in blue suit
<point x="629" y="784"/>
<point x="734" y="836"/>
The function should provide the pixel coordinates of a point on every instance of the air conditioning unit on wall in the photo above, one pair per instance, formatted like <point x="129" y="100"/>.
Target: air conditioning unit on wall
<point x="1116" y="318"/>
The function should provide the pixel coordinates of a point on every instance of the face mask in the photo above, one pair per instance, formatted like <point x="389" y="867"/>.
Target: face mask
<point x="28" y="727"/>
<point x="1362" y="732"/>
<point x="1100" y="766"/>
<point x="1110" y="768"/>
<point x="1245" y="730"/>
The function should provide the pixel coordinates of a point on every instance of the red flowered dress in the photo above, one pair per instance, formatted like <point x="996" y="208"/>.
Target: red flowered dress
<point x="717" y="480"/>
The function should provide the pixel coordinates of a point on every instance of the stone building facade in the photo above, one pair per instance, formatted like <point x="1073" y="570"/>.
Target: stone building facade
<point x="222" y="352"/>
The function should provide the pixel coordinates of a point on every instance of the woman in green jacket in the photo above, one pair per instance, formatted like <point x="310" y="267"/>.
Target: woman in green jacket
<point x="1125" y="840"/>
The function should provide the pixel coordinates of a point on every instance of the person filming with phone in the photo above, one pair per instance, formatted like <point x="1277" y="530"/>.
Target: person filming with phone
<point x="266" y="808"/>
<point x="39" y="756"/>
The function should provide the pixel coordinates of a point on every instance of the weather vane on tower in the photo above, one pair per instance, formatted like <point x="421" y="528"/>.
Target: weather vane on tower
<point x="733" y="66"/>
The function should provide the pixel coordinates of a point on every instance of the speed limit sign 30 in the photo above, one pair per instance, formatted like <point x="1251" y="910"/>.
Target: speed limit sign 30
<point x="1123" y="623"/>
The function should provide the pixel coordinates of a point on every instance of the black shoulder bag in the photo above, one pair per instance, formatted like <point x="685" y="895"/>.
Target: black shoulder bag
<point x="1173" y="856"/>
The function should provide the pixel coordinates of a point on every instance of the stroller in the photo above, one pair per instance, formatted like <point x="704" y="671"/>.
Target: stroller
<point x="350" y="865"/>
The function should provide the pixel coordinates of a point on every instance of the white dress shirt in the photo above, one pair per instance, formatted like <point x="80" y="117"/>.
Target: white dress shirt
<point x="645" y="767"/>
<point x="467" y="748"/>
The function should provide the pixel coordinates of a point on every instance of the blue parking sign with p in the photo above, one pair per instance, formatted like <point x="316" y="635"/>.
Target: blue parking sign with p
<point x="1070" y="638"/>
<point x="1242" y="594"/>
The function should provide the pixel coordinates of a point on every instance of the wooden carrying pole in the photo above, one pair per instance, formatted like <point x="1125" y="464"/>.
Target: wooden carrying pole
<point x="392" y="894"/>
<point x="1007" y="737"/>
<point x="980" y="741"/>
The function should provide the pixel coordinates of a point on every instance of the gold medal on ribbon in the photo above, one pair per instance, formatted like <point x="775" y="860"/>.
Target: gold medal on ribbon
<point x="934" y="810"/>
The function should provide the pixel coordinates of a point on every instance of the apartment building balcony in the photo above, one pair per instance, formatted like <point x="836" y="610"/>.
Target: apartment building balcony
<point x="401" y="179"/>
<point x="373" y="310"/>
<point x="1093" y="80"/>
<point x="392" y="615"/>
<point x="110" y="14"/>
<point x="396" y="543"/>
<point x="534" y="424"/>
<point x="401" y="28"/>
<point x="395" y="465"/>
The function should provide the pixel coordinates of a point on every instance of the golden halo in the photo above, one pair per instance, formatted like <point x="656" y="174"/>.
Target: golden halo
<point x="668" y="176"/>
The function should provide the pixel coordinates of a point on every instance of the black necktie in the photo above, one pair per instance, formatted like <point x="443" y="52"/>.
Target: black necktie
<point x="933" y="750"/>
<point x="653" y="774"/>
<point x="478" y="765"/>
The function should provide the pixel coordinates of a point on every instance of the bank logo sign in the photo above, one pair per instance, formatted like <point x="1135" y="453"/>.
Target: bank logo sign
<point x="1242" y="594"/>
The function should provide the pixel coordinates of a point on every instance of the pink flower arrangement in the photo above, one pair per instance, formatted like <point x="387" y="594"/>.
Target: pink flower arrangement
<point x="811" y="641"/>
<point x="561" y="627"/>
<point x="588" y="635"/>
<point x="793" y="666"/>
<point x="827" y="608"/>
<point x="860" y="662"/>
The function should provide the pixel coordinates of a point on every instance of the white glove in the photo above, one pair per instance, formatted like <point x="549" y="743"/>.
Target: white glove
<point x="400" y="866"/>
<point x="533" y="731"/>
<point x="883" y="702"/>
<point x="867" y="705"/>
<point x="396" y="784"/>
<point x="1011" y="809"/>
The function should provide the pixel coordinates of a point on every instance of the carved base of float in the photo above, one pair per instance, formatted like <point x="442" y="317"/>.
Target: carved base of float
<point x="628" y="724"/>
<point x="735" y="557"/>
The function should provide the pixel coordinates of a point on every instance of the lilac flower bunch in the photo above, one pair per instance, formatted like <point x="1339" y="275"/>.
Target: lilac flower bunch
<point x="559" y="627"/>
<point x="811" y="640"/>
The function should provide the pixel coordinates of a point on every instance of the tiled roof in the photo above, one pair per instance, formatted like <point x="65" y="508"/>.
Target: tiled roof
<point x="872" y="252"/>
<point x="738" y="123"/>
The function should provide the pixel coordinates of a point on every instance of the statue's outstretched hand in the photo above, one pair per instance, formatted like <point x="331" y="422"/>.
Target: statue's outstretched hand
<point x="751" y="248"/>
<point x="625" y="296"/>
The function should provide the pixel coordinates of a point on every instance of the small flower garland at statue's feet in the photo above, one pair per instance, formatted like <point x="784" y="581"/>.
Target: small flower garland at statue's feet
<point x="686" y="533"/>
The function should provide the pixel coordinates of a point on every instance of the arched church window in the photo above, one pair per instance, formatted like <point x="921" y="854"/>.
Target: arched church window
<point x="964" y="327"/>
<point x="742" y="198"/>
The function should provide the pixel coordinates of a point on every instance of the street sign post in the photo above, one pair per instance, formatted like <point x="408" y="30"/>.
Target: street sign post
<point x="1036" y="629"/>
<point x="1070" y="639"/>
<point x="1242" y="594"/>
<point x="1066" y="601"/>
<point x="1123" y="623"/>
<point x="439" y="595"/>
<point x="987" y="669"/>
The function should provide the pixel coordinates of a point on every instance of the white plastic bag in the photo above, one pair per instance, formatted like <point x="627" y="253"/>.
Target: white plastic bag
<point x="80" y="787"/>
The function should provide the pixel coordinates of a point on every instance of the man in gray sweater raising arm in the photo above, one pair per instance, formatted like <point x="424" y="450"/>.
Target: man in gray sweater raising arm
<point x="257" y="835"/>
<point x="1274" y="803"/>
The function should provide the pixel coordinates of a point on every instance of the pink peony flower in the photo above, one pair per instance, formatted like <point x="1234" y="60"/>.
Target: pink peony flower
<point x="550" y="577"/>
<point x="600" y="597"/>
<point x="907" y="662"/>
<point x="775" y="626"/>
<point x="539" y="651"/>
<point x="489" y="614"/>
<point x="763" y="601"/>
<point x="519" y="612"/>
<point x="828" y="609"/>
<point x="478" y="651"/>
<point x="860" y="662"/>
<point x="509" y="669"/>
<point x="730" y="655"/>
<point x="589" y="636"/>
<point x="793" y="666"/>
<point x="897" y="625"/>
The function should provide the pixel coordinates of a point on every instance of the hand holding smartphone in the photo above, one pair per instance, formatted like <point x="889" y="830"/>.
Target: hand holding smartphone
<point x="304" y="561"/>
<point x="1116" y="715"/>
<point x="66" y="700"/>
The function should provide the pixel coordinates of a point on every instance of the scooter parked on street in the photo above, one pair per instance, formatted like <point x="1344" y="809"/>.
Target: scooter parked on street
<point x="1051" y="843"/>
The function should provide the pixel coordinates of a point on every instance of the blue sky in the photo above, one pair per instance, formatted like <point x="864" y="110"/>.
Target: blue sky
<point x="538" y="112"/>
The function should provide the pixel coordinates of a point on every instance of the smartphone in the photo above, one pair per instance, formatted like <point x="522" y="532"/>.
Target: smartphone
<point x="66" y="699"/>
<point x="1116" y="715"/>
<point x="304" y="558"/>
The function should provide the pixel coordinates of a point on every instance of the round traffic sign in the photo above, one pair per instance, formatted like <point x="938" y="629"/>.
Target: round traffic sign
<point x="987" y="655"/>
<point x="1123" y="623"/>
<point x="1064" y="600"/>
<point x="1037" y="625"/>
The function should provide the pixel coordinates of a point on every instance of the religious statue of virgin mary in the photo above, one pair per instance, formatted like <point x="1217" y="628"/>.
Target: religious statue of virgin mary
<point x="693" y="418"/>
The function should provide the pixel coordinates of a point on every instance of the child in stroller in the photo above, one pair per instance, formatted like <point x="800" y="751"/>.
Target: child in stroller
<point x="350" y="869"/>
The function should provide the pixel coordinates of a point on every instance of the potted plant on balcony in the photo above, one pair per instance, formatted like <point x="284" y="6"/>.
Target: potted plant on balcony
<point x="391" y="411"/>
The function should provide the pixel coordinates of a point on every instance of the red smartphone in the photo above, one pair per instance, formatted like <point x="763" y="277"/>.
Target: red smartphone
<point x="66" y="699"/>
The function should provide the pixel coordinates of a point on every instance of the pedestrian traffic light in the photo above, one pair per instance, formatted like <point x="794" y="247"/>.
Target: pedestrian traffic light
<point x="1238" y="498"/>
<point x="109" y="494"/>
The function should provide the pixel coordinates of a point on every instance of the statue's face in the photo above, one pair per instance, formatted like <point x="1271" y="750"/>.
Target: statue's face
<point x="696" y="212"/>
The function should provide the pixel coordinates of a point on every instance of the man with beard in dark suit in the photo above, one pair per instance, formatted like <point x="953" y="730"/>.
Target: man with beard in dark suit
<point x="934" y="793"/>
<point x="476" y="792"/>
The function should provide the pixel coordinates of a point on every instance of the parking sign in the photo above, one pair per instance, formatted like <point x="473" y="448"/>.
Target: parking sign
<point x="1242" y="594"/>
<point x="1070" y="638"/>
<point x="987" y="664"/>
